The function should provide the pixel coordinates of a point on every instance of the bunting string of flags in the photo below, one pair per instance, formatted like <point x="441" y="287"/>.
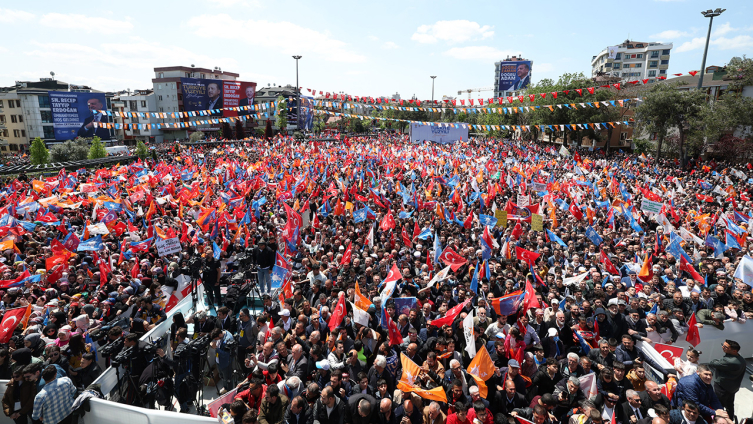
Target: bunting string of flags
<point x="553" y="127"/>
<point x="499" y="100"/>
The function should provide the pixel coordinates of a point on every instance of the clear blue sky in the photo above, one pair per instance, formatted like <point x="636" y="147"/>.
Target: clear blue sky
<point x="362" y="48"/>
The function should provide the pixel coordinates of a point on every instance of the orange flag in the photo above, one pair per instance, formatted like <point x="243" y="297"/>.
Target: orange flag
<point x="27" y="314"/>
<point x="481" y="369"/>
<point x="362" y="301"/>
<point x="647" y="271"/>
<point x="410" y="370"/>
<point x="436" y="393"/>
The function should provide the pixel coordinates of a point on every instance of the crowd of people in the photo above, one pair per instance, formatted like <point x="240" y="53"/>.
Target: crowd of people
<point x="389" y="271"/>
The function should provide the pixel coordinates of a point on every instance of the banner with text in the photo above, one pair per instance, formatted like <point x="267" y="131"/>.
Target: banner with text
<point x="514" y="76"/>
<point x="73" y="115"/>
<point x="437" y="134"/>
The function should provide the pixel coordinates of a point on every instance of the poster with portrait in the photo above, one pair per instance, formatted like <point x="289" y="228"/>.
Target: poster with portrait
<point x="238" y="94"/>
<point x="77" y="114"/>
<point x="514" y="75"/>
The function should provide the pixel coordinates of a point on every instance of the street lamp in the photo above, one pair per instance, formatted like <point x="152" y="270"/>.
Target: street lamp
<point x="432" y="88"/>
<point x="298" y="94"/>
<point x="708" y="14"/>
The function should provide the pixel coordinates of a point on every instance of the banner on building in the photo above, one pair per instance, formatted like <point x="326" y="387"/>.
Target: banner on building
<point x="442" y="135"/>
<point x="236" y="94"/>
<point x="514" y="75"/>
<point x="612" y="52"/>
<point x="75" y="114"/>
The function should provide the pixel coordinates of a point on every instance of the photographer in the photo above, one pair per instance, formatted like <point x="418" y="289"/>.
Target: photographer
<point x="135" y="361"/>
<point x="87" y="372"/>
<point x="247" y="337"/>
<point x="203" y="323"/>
<point x="182" y="365"/>
<point x="264" y="258"/>
<point x="151" y="313"/>
<point x="115" y="341"/>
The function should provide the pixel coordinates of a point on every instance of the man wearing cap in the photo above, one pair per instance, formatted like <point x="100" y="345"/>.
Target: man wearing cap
<point x="512" y="373"/>
<point x="631" y="280"/>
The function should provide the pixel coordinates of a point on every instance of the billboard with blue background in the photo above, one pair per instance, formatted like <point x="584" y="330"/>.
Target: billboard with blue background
<point x="442" y="135"/>
<point x="514" y="75"/>
<point x="73" y="115"/>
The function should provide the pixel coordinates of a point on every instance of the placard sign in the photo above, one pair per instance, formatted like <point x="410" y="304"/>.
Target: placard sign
<point x="501" y="218"/>
<point x="537" y="222"/>
<point x="651" y="206"/>
<point x="167" y="246"/>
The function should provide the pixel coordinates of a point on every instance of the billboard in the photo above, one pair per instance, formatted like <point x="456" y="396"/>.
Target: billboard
<point x="307" y="113"/>
<point x="515" y="75"/>
<point x="238" y="93"/>
<point x="612" y="52"/>
<point x="73" y="115"/>
<point x="437" y="134"/>
<point x="212" y="94"/>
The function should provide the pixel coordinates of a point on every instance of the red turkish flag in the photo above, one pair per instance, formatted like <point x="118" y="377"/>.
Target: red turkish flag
<point x="590" y="90"/>
<point x="388" y="222"/>
<point x="338" y="313"/>
<point x="543" y="95"/>
<point x="468" y="221"/>
<point x="575" y="210"/>
<point x="406" y="237"/>
<point x="554" y="94"/>
<point x="687" y="267"/>
<point x="526" y="255"/>
<point x="670" y="353"/>
<point x="532" y="97"/>
<point x="530" y="300"/>
<point x="347" y="255"/>
<point x="617" y="86"/>
<point x="393" y="275"/>
<point x="604" y="259"/>
<point x="450" y="315"/>
<point x="451" y="258"/>
<point x="580" y="91"/>
<point x="395" y="337"/>
<point x="520" y="98"/>
<point x="10" y="321"/>
<point x="694" y="336"/>
<point x="693" y="72"/>
<point x="510" y="99"/>
<point x="517" y="231"/>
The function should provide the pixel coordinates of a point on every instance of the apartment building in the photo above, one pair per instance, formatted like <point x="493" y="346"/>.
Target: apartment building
<point x="633" y="60"/>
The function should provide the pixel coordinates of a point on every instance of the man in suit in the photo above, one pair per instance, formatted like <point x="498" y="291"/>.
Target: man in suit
<point x="225" y="321"/>
<point x="433" y="414"/>
<point x="362" y="408"/>
<point x="87" y="128"/>
<point x="214" y="92"/>
<point x="524" y="77"/>
<point x="730" y="370"/>
<point x="298" y="365"/>
<point x="248" y="101"/>
<point x="631" y="410"/>
<point x="508" y="400"/>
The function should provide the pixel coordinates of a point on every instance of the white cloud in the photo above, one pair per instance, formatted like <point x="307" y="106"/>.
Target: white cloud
<point x="477" y="53"/>
<point x="89" y="24"/>
<point x="229" y="3"/>
<point x="10" y="16"/>
<point x="457" y="31"/>
<point x="285" y="36"/>
<point x="390" y="45"/>
<point x="722" y="43"/>
<point x="373" y="38"/>
<point x="3" y="50"/>
<point x="669" y="35"/>
<point x="723" y="29"/>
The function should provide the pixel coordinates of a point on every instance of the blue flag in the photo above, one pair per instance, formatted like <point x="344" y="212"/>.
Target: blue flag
<point x="216" y="251"/>
<point x="593" y="236"/>
<point x="487" y="220"/>
<point x="553" y="237"/>
<point x="93" y="244"/>
<point x="474" y="280"/>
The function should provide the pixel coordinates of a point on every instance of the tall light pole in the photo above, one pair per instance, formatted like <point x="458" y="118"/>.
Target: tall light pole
<point x="298" y="95"/>
<point x="708" y="14"/>
<point x="432" y="88"/>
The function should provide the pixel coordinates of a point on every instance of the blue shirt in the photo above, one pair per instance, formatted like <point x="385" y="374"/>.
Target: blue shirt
<point x="55" y="401"/>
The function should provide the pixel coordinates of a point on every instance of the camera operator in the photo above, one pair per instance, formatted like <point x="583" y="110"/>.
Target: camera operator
<point x="87" y="373"/>
<point x="137" y="361"/>
<point x="181" y="364"/>
<point x="264" y="258"/>
<point x="114" y="344"/>
<point x="211" y="277"/>
<point x="203" y="323"/>
<point x="222" y="342"/>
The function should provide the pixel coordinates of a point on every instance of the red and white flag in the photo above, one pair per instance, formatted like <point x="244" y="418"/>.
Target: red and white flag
<point x="338" y="314"/>
<point x="11" y="320"/>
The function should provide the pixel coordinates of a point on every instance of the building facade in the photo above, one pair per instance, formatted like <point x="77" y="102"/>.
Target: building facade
<point x="142" y="103"/>
<point x="633" y="60"/>
<point x="13" y="137"/>
<point x="169" y="97"/>
<point x="498" y="66"/>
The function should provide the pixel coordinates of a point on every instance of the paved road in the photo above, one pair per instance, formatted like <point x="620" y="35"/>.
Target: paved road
<point x="744" y="398"/>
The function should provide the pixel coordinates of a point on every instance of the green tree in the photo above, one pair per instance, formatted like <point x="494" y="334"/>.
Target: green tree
<point x="71" y="150"/>
<point x="141" y="150"/>
<point x="282" y="114"/>
<point x="740" y="72"/>
<point x="39" y="153"/>
<point x="97" y="149"/>
<point x="196" y="137"/>
<point x="665" y="109"/>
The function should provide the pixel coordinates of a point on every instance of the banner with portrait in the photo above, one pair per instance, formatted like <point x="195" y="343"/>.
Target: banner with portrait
<point x="73" y="115"/>
<point x="514" y="75"/>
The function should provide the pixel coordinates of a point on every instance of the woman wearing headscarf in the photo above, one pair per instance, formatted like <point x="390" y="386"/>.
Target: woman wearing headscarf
<point x="64" y="335"/>
<point x="35" y="343"/>
<point x="49" y="334"/>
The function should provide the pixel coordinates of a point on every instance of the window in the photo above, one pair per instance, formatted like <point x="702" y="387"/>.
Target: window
<point x="653" y="64"/>
<point x="180" y="96"/>
<point x="202" y="76"/>
<point x="143" y="103"/>
<point x="654" y="54"/>
<point x="608" y="65"/>
<point x="618" y="56"/>
<point x="665" y="52"/>
<point x="639" y="46"/>
<point x="159" y="86"/>
<point x="2" y="148"/>
<point x="623" y="136"/>
<point x="23" y="133"/>
<point x="20" y="118"/>
<point x="161" y="109"/>
<point x="16" y="133"/>
<point x="11" y="104"/>
<point x="2" y="119"/>
<point x="44" y="101"/>
<point x="665" y="62"/>
<point x="132" y="105"/>
<point x="651" y="73"/>
<point x="4" y="132"/>
<point x="188" y="75"/>
<point x="630" y="46"/>
<point x="640" y="55"/>
<point x="616" y="66"/>
<point x="161" y="75"/>
<point x="18" y="103"/>
<point x="49" y="132"/>
<point x="46" y="116"/>
<point x="13" y="119"/>
<point x="638" y="65"/>
<point x="663" y="72"/>
<point x="1" y="103"/>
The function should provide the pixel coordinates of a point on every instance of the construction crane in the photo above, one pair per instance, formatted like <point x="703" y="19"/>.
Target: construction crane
<point x="478" y="90"/>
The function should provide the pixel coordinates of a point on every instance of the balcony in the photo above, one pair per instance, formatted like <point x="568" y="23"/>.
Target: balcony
<point x="664" y="66"/>
<point x="664" y="57"/>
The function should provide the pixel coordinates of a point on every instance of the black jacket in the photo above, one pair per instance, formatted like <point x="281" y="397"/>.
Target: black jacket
<point x="264" y="258"/>
<point x="339" y="414"/>
<point x="624" y="412"/>
<point x="502" y="405"/>
<point x="305" y="417"/>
